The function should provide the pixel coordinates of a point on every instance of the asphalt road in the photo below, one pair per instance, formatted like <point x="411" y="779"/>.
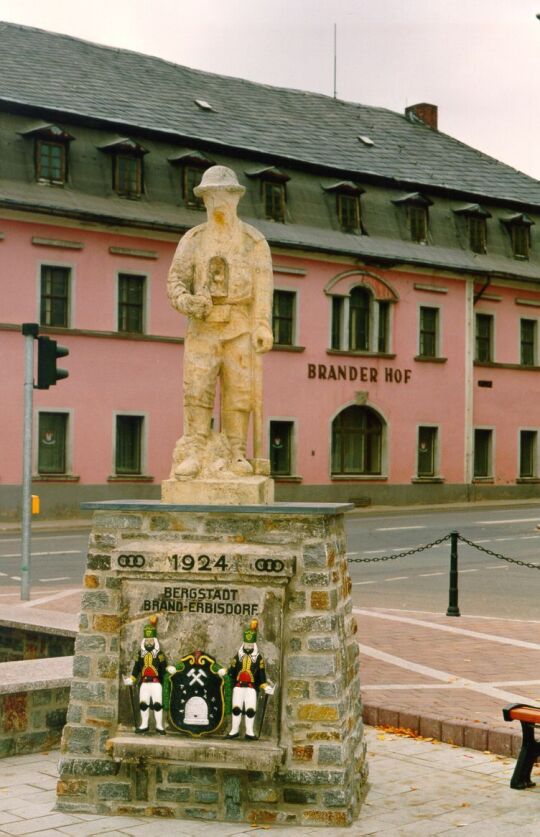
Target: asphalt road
<point x="488" y="586"/>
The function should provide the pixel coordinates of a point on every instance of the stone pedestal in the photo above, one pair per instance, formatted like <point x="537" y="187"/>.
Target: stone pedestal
<point x="205" y="570"/>
<point x="246" y="491"/>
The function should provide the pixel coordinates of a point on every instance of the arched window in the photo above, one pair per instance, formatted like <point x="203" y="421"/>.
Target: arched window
<point x="359" y="307"/>
<point x="357" y="442"/>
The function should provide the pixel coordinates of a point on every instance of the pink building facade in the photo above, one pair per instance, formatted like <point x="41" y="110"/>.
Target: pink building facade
<point x="405" y="366"/>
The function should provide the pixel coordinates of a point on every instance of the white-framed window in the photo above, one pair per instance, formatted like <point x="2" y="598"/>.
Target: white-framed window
<point x="54" y="442"/>
<point x="282" y="445"/>
<point x="129" y="454"/>
<point x="132" y="307"/>
<point x="484" y="336"/>
<point x="429" y="331"/>
<point x="528" y="454"/>
<point x="427" y="454"/>
<point x="483" y="453"/>
<point x="359" y="322"/>
<point x="284" y="316"/>
<point x="528" y="341"/>
<point x="55" y="294"/>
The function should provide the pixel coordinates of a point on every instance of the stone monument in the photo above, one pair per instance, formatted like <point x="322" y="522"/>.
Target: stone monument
<point x="243" y="703"/>
<point x="221" y="279"/>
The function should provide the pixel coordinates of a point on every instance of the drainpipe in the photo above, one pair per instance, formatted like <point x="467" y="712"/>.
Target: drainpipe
<point x="468" y="380"/>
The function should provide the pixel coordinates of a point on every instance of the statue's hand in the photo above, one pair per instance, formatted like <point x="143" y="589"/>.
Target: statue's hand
<point x="269" y="688"/>
<point x="222" y="672"/>
<point x="263" y="339"/>
<point x="194" y="305"/>
<point x="128" y="680"/>
<point x="171" y="669"/>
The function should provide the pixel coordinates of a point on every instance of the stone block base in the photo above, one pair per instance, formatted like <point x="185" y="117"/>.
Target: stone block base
<point x="245" y="491"/>
<point x="205" y="571"/>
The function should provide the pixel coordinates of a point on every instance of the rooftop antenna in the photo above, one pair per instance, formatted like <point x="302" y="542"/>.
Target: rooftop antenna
<point x="335" y="59"/>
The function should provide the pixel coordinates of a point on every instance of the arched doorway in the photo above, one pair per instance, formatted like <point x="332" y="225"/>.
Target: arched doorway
<point x="357" y="434"/>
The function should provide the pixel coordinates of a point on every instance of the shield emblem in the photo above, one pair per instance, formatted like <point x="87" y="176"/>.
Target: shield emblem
<point x="196" y="703"/>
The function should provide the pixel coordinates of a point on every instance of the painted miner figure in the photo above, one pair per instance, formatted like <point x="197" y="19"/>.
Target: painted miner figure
<point x="221" y="279"/>
<point x="248" y="676"/>
<point x="149" y="672"/>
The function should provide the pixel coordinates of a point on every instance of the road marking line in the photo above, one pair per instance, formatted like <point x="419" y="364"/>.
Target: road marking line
<point x="45" y="599"/>
<point x="3" y="574"/>
<point x="397" y="528"/>
<point x="463" y="615"/>
<point x="40" y="554"/>
<point x="60" y="578"/>
<point x="438" y="674"/>
<point x="504" y="640"/>
<point x="501" y="522"/>
<point x="504" y="539"/>
<point x="495" y="568"/>
<point x="403" y="686"/>
<point x="397" y="578"/>
<point x="358" y="583"/>
<point x="426" y="575"/>
<point x="15" y="577"/>
<point x="469" y="571"/>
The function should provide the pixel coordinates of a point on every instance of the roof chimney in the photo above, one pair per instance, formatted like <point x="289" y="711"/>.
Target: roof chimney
<point x="424" y="112"/>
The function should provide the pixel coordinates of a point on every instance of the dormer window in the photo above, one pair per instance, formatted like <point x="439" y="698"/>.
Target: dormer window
<point x="273" y="192"/>
<point x="193" y="165"/>
<point x="127" y="167"/>
<point x="50" y="153"/>
<point x="519" y="230"/>
<point x="416" y="208"/>
<point x="347" y="197"/>
<point x="476" y="219"/>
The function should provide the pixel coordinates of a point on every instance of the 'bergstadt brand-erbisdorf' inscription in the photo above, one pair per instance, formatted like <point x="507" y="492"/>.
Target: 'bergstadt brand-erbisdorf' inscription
<point x="226" y="601"/>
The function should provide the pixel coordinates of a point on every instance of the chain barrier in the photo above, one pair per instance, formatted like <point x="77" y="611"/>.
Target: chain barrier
<point x="499" y="555"/>
<point x="426" y="546"/>
<point x="400" y="554"/>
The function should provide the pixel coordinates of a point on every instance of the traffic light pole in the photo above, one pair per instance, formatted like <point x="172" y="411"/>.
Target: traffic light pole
<point x="29" y="331"/>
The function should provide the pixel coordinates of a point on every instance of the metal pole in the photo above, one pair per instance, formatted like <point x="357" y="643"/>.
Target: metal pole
<point x="453" y="609"/>
<point x="29" y="331"/>
<point x="335" y="60"/>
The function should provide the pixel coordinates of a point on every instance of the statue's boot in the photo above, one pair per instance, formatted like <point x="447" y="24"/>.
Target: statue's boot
<point x="197" y="423"/>
<point x="235" y="425"/>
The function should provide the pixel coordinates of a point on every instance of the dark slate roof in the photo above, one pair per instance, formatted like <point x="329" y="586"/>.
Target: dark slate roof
<point x="45" y="70"/>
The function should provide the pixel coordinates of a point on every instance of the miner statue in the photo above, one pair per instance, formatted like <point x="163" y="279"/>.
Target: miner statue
<point x="149" y="672"/>
<point x="221" y="279"/>
<point x="248" y="676"/>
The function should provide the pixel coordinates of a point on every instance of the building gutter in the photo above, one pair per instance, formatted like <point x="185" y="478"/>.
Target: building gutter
<point x="468" y="382"/>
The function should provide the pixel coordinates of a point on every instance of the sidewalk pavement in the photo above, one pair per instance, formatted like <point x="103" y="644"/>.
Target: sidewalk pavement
<point x="417" y="788"/>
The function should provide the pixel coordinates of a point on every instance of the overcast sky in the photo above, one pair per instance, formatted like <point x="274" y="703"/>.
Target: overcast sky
<point x="478" y="60"/>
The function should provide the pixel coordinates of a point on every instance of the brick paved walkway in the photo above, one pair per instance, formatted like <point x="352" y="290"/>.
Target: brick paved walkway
<point x="417" y="788"/>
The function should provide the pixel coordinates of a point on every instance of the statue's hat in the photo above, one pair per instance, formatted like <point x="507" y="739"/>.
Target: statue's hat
<point x="218" y="177"/>
<point x="150" y="630"/>
<point x="250" y="634"/>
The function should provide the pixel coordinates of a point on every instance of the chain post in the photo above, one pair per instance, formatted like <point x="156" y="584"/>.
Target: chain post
<point x="453" y="609"/>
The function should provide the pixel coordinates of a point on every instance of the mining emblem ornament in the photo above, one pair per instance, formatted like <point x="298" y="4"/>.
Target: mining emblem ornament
<point x="194" y="695"/>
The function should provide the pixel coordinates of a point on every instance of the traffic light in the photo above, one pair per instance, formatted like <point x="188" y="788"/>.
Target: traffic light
<point x="48" y="353"/>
